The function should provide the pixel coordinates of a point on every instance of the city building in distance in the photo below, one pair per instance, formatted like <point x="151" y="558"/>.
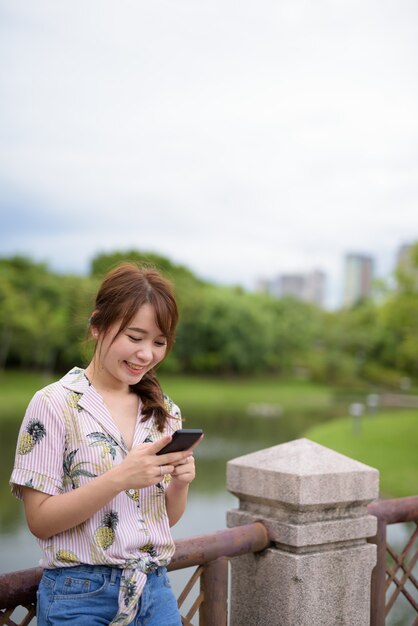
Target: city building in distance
<point x="308" y="287"/>
<point x="358" y="278"/>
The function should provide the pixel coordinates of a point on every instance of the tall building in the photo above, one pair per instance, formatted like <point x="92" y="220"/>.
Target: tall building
<point x="358" y="281"/>
<point x="315" y="287"/>
<point x="309" y="287"/>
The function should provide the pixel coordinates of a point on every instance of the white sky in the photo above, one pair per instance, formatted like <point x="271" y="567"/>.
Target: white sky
<point x="242" y="139"/>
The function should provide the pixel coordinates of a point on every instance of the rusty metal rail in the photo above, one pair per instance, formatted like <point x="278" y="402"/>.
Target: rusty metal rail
<point x="391" y="575"/>
<point x="209" y="552"/>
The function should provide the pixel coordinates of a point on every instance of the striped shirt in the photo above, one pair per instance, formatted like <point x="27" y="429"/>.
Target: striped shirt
<point x="67" y="438"/>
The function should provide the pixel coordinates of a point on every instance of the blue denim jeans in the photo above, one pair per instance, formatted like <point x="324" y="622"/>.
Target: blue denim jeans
<point x="87" y="595"/>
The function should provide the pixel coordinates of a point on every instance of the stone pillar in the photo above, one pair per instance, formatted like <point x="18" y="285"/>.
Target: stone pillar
<point x="314" y="503"/>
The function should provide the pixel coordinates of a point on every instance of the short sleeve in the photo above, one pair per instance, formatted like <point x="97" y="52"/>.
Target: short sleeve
<point x="40" y="449"/>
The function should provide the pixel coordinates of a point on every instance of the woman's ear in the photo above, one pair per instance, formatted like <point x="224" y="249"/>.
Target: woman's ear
<point x="93" y="329"/>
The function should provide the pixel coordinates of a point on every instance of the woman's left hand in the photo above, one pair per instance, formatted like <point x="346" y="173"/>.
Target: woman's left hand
<point x="178" y="488"/>
<point x="185" y="471"/>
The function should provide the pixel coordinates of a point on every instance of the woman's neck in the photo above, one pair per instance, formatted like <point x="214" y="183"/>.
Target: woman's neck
<point x="103" y="382"/>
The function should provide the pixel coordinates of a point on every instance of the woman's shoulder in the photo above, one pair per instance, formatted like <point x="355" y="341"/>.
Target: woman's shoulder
<point x="56" y="392"/>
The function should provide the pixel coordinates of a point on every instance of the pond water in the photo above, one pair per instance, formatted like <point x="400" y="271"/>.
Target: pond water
<point x="225" y="438"/>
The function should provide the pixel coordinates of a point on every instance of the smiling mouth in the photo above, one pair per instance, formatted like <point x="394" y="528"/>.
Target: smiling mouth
<point x="134" y="367"/>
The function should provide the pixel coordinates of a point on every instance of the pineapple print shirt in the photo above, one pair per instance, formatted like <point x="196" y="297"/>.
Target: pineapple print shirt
<point x="66" y="439"/>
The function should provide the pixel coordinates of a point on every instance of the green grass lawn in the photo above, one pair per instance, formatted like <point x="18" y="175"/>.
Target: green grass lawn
<point x="212" y="395"/>
<point x="237" y="394"/>
<point x="388" y="442"/>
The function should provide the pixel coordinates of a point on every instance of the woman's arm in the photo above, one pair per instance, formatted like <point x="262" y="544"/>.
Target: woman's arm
<point x="49" y="515"/>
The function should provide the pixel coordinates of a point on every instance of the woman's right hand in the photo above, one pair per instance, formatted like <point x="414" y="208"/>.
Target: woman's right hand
<point x="48" y="515"/>
<point x="143" y="468"/>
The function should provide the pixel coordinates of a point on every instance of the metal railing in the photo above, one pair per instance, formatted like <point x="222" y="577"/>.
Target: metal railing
<point x="208" y="552"/>
<point x="394" y="573"/>
<point x="392" y="576"/>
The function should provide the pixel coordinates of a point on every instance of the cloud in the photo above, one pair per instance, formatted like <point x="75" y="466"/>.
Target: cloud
<point x="243" y="140"/>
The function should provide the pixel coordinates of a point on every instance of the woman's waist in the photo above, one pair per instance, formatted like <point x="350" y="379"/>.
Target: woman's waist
<point x="63" y="551"/>
<point x="110" y="571"/>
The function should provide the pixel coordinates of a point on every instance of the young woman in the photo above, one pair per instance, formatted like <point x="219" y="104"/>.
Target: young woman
<point x="96" y="494"/>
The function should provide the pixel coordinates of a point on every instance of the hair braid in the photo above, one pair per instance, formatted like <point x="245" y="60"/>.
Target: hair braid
<point x="152" y="397"/>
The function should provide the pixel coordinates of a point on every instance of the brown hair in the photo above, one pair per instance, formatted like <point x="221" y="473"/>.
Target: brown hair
<point x="123" y="291"/>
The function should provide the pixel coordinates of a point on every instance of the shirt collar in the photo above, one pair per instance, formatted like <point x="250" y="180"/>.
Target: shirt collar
<point x="90" y="400"/>
<point x="76" y="380"/>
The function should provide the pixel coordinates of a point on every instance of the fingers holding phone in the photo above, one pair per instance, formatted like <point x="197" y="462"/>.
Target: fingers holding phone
<point x="185" y="440"/>
<point x="185" y="471"/>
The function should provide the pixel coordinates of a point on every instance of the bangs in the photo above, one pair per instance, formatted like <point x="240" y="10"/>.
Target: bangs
<point x="165" y="308"/>
<point x="165" y="315"/>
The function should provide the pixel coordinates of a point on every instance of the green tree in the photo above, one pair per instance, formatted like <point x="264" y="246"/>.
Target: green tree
<point x="225" y="330"/>
<point x="398" y="319"/>
<point x="180" y="275"/>
<point x="34" y="314"/>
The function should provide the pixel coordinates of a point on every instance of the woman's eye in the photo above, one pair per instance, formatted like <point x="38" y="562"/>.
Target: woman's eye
<point x="160" y="343"/>
<point x="136" y="339"/>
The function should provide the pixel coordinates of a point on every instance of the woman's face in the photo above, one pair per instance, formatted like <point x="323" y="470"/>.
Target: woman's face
<point x="123" y="361"/>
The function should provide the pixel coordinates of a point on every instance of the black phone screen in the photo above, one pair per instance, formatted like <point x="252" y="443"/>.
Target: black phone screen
<point x="182" y="439"/>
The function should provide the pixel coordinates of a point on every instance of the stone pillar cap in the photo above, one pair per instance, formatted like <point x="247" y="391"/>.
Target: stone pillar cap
<point x="302" y="473"/>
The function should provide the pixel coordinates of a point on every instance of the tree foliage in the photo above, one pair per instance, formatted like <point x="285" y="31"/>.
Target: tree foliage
<point x="222" y="330"/>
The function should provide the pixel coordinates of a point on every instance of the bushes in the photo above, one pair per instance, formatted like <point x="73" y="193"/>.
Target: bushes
<point x="222" y="330"/>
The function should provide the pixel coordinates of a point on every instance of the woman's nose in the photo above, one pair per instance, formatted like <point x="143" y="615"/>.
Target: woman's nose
<point x="144" y="352"/>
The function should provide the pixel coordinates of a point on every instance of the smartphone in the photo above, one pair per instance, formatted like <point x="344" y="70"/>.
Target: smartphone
<point x="183" y="439"/>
